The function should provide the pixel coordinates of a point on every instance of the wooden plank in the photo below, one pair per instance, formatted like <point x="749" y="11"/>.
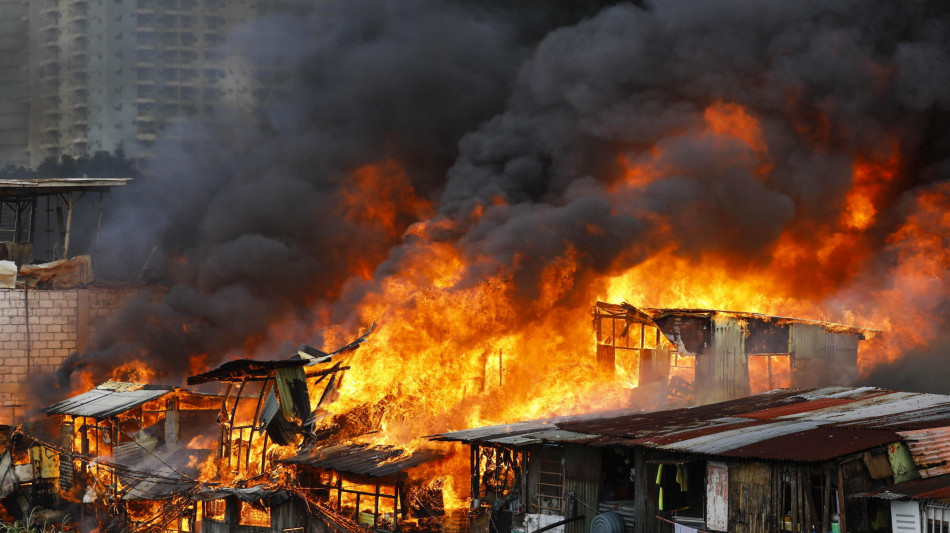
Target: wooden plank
<point x="826" y="500"/>
<point x="842" y="523"/>
<point x="717" y="496"/>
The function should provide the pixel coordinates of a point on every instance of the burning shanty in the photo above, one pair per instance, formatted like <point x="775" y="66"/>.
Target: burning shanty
<point x="259" y="448"/>
<point x="719" y="355"/>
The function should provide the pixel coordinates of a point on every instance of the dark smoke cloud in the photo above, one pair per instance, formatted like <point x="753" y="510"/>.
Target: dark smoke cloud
<point x="486" y="116"/>
<point x="632" y="78"/>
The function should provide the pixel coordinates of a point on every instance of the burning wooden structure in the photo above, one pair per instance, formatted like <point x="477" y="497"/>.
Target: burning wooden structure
<point x="333" y="482"/>
<point x="273" y="456"/>
<point x="719" y="355"/>
<point x="800" y="460"/>
<point x="262" y="455"/>
<point x="116" y="446"/>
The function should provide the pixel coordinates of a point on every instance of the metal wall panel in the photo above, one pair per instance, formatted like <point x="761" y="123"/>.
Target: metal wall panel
<point x="726" y="375"/>
<point x="582" y="479"/>
<point x="905" y="517"/>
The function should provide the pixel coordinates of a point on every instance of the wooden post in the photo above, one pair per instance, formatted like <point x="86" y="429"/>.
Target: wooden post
<point x="810" y="513"/>
<point x="842" y="523"/>
<point x="232" y="512"/>
<point x="795" y="490"/>
<point x="68" y="199"/>
<point x="826" y="501"/>
<point x="475" y="474"/>
<point x="339" y="493"/>
<point x="781" y="497"/>
<point x="376" y="507"/>
<point x="643" y="509"/>
<point x="397" y="490"/>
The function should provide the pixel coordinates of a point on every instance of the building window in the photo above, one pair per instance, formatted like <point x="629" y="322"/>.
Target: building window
<point x="938" y="518"/>
<point x="214" y="510"/>
<point x="254" y="516"/>
<point x="769" y="371"/>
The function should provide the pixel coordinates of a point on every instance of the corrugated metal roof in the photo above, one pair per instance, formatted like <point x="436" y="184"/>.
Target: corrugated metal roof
<point x="931" y="450"/>
<point x="362" y="459"/>
<point x="108" y="399"/>
<point x="795" y="425"/>
<point x="819" y="444"/>
<point x="795" y="408"/>
<point x="934" y="488"/>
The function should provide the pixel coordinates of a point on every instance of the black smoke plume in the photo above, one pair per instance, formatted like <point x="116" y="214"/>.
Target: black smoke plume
<point x="512" y="127"/>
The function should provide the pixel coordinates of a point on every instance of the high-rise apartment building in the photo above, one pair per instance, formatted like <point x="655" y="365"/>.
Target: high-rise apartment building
<point x="14" y="82"/>
<point x="87" y="75"/>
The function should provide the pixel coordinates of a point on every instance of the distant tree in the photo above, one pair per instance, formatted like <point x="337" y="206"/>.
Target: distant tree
<point x="14" y="172"/>
<point x="101" y="164"/>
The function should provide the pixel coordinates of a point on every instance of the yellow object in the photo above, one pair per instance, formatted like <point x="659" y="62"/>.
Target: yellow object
<point x="660" y="506"/>
<point x="45" y="462"/>
<point x="366" y="519"/>
<point x="681" y="476"/>
<point x="659" y="473"/>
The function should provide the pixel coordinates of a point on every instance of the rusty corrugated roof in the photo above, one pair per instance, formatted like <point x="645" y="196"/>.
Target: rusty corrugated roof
<point x="931" y="450"/>
<point x="794" y="425"/>
<point x="934" y="488"/>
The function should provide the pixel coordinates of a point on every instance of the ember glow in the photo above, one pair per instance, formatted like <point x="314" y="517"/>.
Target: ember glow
<point x="476" y="215"/>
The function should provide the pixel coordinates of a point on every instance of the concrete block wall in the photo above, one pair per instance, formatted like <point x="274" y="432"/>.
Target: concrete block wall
<point x="41" y="328"/>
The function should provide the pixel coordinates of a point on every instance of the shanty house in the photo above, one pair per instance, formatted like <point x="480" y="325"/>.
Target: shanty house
<point x="708" y="355"/>
<point x="122" y="446"/>
<point x="799" y="460"/>
<point x="333" y="482"/>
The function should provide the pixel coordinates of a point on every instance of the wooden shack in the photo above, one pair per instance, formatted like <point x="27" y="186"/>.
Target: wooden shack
<point x="719" y="355"/>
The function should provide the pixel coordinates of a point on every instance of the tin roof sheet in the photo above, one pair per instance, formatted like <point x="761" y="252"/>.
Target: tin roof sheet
<point x="930" y="449"/>
<point x="108" y="400"/>
<point x="818" y="444"/>
<point x="796" y="425"/>
<point x="934" y="488"/>
<point x="361" y="459"/>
